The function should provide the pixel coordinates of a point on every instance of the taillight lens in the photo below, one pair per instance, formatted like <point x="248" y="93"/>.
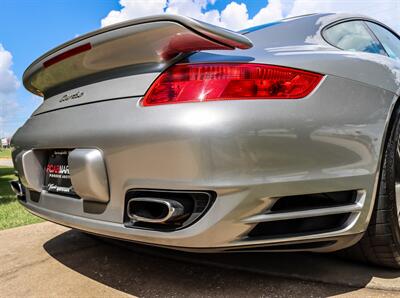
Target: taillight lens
<point x="206" y="82"/>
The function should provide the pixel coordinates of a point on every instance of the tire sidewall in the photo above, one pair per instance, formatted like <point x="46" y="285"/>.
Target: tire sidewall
<point x="389" y="178"/>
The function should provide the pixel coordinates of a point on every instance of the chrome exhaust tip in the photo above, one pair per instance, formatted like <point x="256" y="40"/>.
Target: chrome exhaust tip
<point x="154" y="210"/>
<point x="17" y="188"/>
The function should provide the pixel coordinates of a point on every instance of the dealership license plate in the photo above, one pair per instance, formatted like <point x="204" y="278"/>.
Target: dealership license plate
<point x="57" y="178"/>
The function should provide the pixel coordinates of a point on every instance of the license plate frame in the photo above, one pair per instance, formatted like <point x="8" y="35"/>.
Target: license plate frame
<point x="57" y="176"/>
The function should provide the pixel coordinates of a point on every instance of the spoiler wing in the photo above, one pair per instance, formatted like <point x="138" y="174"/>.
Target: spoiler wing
<point x="143" y="45"/>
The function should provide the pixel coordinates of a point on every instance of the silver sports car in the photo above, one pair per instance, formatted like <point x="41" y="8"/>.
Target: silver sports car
<point x="172" y="132"/>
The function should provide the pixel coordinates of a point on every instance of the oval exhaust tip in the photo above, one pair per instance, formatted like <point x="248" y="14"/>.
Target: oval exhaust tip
<point x="17" y="188"/>
<point x="154" y="210"/>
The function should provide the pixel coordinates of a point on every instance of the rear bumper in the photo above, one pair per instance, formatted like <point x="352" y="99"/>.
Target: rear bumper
<point x="202" y="237"/>
<point x="248" y="152"/>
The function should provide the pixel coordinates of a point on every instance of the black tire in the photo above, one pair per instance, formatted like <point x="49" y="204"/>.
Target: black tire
<point x="380" y="244"/>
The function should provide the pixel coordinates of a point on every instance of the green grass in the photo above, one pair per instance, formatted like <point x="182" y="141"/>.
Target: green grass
<point x="12" y="214"/>
<point x="5" y="153"/>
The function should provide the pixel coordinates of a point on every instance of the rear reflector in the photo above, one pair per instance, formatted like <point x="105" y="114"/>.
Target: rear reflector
<point x="227" y="81"/>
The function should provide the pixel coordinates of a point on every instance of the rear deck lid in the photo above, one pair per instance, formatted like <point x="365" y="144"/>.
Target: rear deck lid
<point x="146" y="45"/>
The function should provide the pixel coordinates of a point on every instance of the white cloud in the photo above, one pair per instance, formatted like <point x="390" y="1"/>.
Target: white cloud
<point x="8" y="81"/>
<point x="272" y="12"/>
<point x="8" y="113"/>
<point x="134" y="9"/>
<point x="8" y="86"/>
<point x="234" y="16"/>
<point x="386" y="11"/>
<point x="193" y="9"/>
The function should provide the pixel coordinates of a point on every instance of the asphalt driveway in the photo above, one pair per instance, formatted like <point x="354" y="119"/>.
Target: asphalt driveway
<point x="49" y="260"/>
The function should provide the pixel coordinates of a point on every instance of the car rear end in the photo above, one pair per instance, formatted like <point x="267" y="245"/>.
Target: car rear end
<point x="127" y="145"/>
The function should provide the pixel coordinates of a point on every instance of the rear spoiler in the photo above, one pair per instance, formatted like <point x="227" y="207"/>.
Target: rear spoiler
<point x="142" y="45"/>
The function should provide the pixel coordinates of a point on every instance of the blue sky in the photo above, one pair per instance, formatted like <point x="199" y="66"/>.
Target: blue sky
<point x="28" y="28"/>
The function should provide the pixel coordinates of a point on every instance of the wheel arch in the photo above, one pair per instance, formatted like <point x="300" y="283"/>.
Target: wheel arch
<point x="393" y="115"/>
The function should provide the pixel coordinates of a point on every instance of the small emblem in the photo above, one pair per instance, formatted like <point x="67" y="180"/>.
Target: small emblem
<point x="75" y="95"/>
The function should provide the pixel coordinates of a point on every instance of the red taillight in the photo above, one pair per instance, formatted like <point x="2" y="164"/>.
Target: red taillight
<point x="206" y="82"/>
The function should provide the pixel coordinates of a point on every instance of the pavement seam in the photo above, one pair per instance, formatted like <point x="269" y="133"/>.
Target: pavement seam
<point x="24" y="266"/>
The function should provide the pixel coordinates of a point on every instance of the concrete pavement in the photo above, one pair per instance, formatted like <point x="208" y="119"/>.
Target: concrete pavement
<point x="45" y="260"/>
<point x="6" y="162"/>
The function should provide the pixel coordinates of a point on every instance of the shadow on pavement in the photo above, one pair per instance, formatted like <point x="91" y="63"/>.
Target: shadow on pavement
<point x="147" y="271"/>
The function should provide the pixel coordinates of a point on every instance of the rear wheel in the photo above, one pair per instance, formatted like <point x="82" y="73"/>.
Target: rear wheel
<point x="381" y="242"/>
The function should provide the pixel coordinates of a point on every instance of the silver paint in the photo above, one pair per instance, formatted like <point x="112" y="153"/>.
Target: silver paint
<point x="249" y="152"/>
<point x="31" y="170"/>
<point x="89" y="175"/>
<point x="150" y="40"/>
